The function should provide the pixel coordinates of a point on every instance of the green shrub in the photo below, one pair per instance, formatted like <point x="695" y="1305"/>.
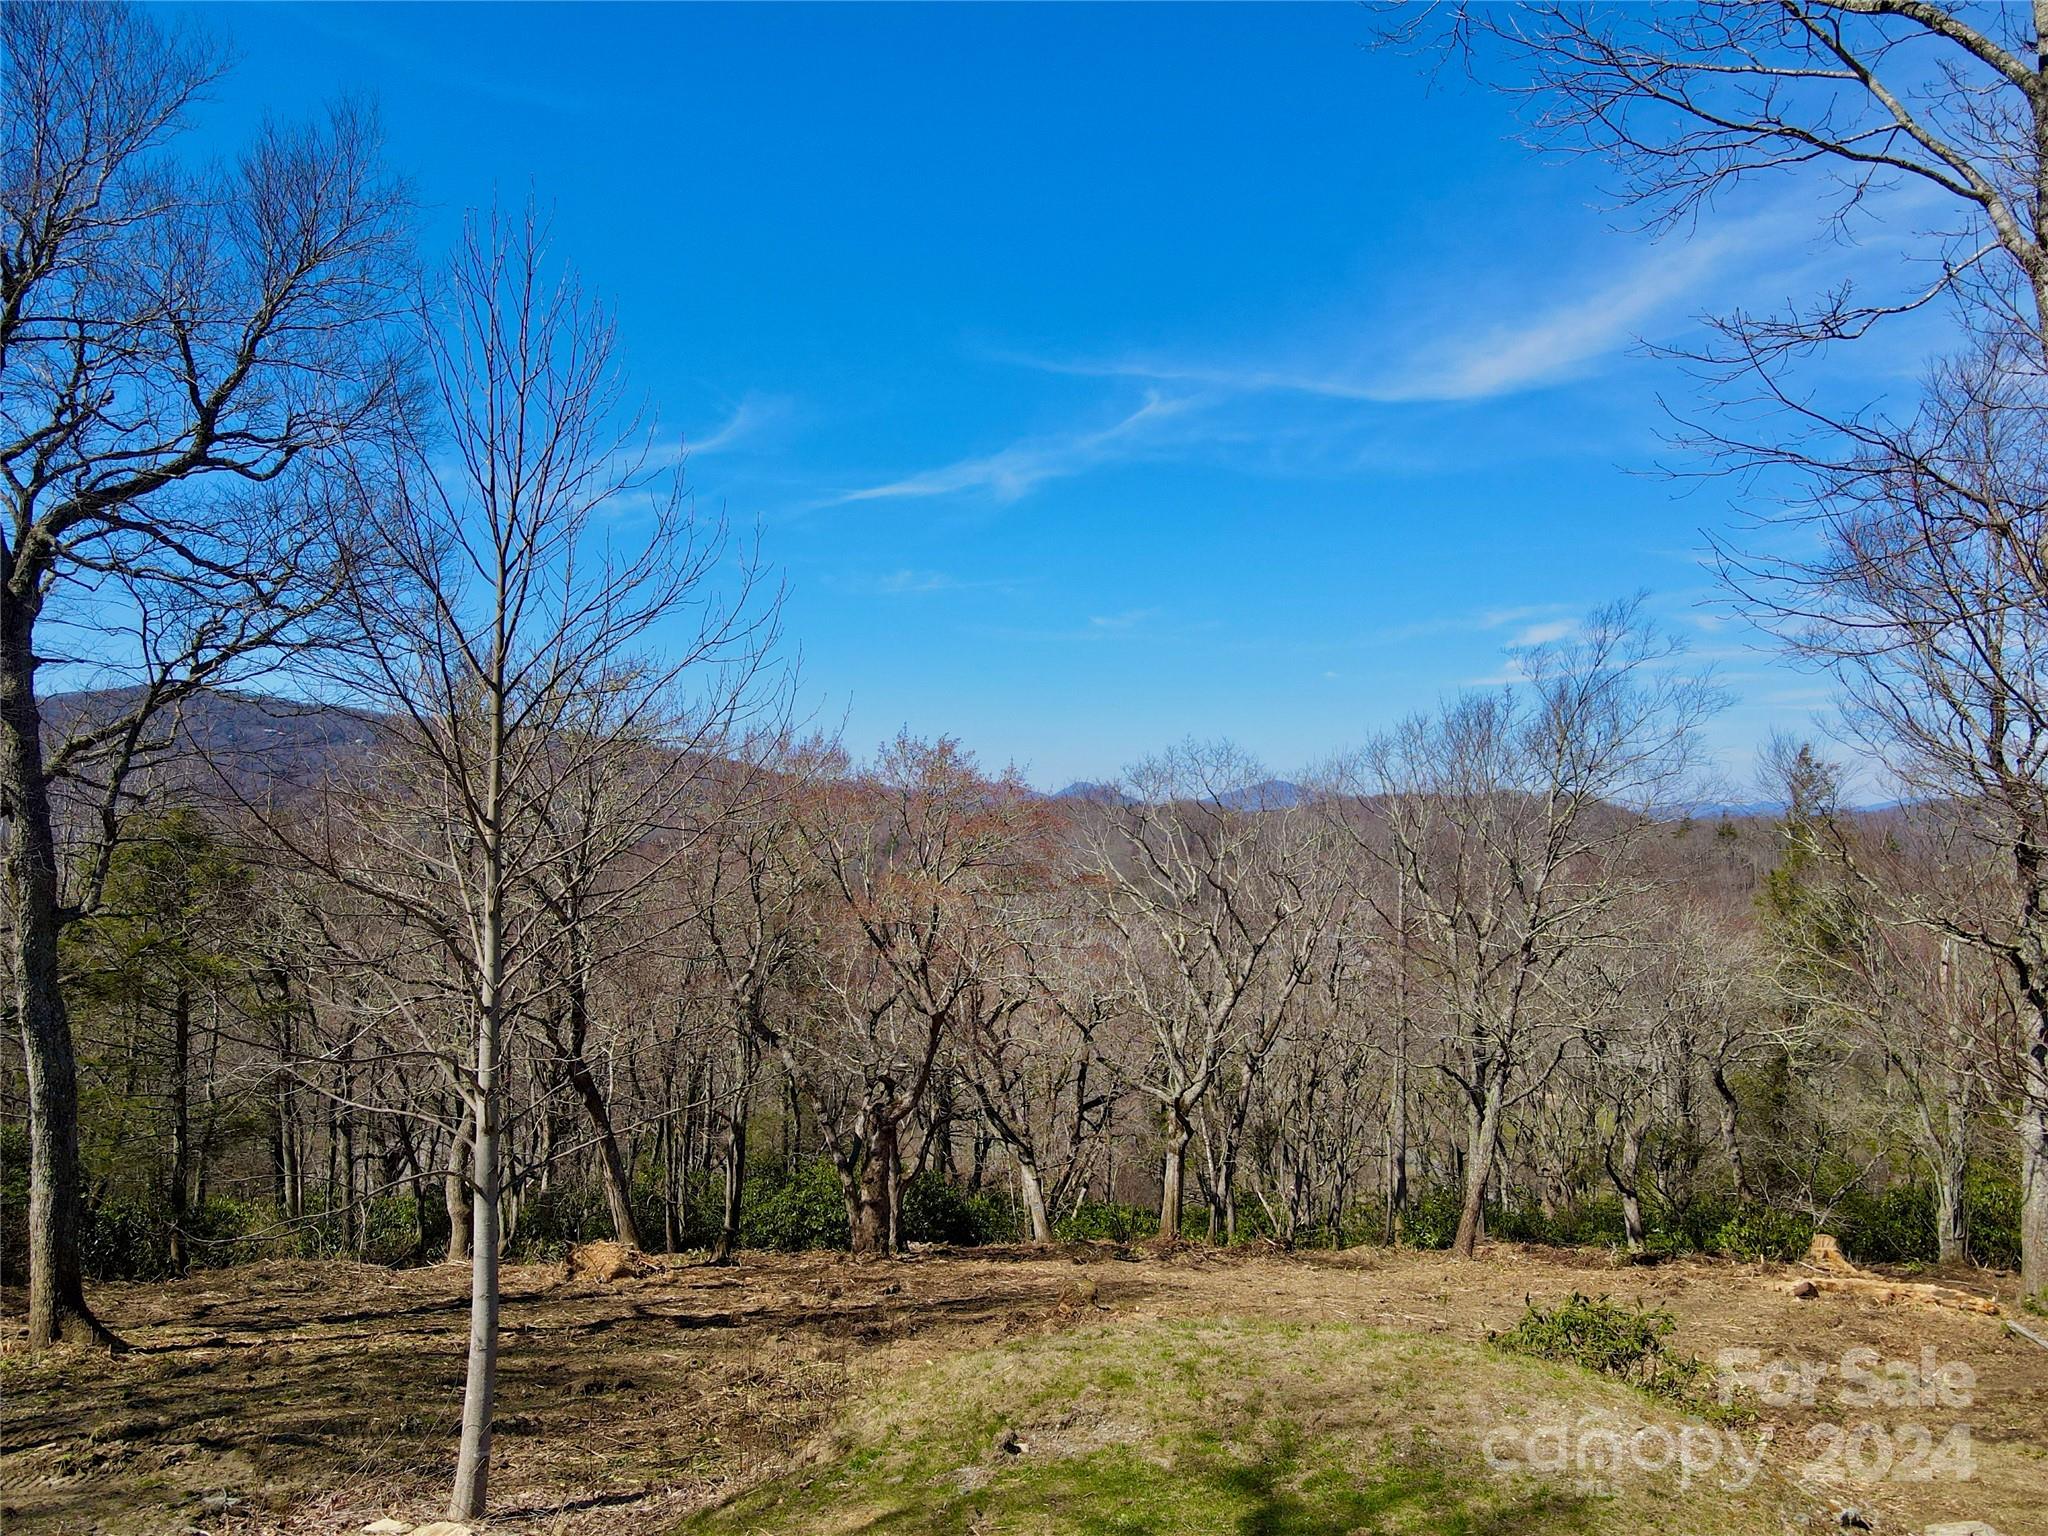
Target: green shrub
<point x="553" y="1221"/>
<point x="1594" y="1224"/>
<point x="1690" y="1227"/>
<point x="996" y="1218"/>
<point x="223" y="1230"/>
<point x="404" y="1230"/>
<point x="1433" y="1219"/>
<point x="700" y="1205"/>
<point x="793" y="1212"/>
<point x="13" y="1203"/>
<point x="1105" y="1221"/>
<point x="1627" y="1343"/>
<point x="1895" y="1227"/>
<point x="1521" y="1222"/>
<point x="935" y="1211"/>
<point x="125" y="1239"/>
<point x="1898" y="1225"/>
<point x="1761" y="1232"/>
<point x="1991" y="1208"/>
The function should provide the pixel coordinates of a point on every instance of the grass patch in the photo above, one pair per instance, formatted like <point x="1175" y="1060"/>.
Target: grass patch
<point x="1227" y="1427"/>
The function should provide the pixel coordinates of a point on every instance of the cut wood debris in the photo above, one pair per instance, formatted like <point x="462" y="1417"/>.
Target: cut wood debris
<point x="1838" y="1277"/>
<point x="607" y="1261"/>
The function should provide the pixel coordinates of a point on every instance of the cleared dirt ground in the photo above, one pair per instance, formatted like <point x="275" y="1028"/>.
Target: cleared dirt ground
<point x="316" y="1397"/>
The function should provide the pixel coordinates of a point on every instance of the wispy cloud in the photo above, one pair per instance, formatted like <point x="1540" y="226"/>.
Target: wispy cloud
<point x="1313" y="405"/>
<point x="1475" y="355"/>
<point x="1512" y="673"/>
<point x="1533" y="615"/>
<point x="444" y="74"/>
<point x="1513" y="354"/>
<point x="747" y="419"/>
<point x="1010" y="472"/>
<point x="906" y="582"/>
<point x="913" y="581"/>
<point x="1542" y="634"/>
<point x="1153" y="626"/>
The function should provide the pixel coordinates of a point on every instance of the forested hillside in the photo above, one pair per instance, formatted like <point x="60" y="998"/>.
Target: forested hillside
<point x="913" y="1002"/>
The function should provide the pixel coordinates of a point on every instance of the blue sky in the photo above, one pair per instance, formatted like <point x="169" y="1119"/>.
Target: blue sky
<point x="1099" y="377"/>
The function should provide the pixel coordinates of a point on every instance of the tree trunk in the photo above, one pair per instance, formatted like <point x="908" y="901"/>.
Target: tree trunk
<point x="480" y="1381"/>
<point x="1951" y="1225"/>
<point x="618" y="1188"/>
<point x="892" y="1187"/>
<point x="1731" y="1142"/>
<point x="2031" y="1014"/>
<point x="872" y="1225"/>
<point x="2033" y="1128"/>
<point x="1630" y="1186"/>
<point x="1226" y="1191"/>
<point x="56" y="1211"/>
<point x="179" y="1186"/>
<point x="1179" y="1133"/>
<point x="1397" y="1147"/>
<point x="1397" y="1096"/>
<point x="455" y="1186"/>
<point x="345" y="1134"/>
<point x="473" y="1460"/>
<point x="792" y="1126"/>
<point x="409" y="1152"/>
<point x="1478" y="1166"/>
<point x="291" y="1170"/>
<point x="734" y="1160"/>
<point x="671" y="1176"/>
<point x="734" y="1151"/>
<point x="1034" y="1201"/>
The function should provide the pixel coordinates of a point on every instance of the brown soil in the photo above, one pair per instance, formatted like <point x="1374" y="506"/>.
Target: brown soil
<point x="316" y="1397"/>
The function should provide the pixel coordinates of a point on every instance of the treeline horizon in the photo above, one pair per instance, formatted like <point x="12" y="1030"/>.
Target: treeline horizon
<point x="311" y="1135"/>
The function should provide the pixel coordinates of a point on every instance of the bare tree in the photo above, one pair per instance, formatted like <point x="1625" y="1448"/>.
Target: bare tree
<point x="1926" y="598"/>
<point x="1510" y="819"/>
<point x="1689" y="101"/>
<point x="1647" y="1009"/>
<point x="754" y="888"/>
<point x="918" y="859"/>
<point x="1862" y="954"/>
<point x="1203" y="888"/>
<point x="1931" y="521"/>
<point x="649" y="784"/>
<point x="182" y="354"/>
<point x="1028" y="1049"/>
<point x="543" y="593"/>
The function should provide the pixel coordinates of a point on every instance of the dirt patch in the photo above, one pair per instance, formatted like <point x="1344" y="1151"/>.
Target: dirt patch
<point x="316" y="1397"/>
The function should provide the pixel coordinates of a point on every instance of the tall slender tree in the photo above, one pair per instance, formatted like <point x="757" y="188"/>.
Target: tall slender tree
<point x="542" y="593"/>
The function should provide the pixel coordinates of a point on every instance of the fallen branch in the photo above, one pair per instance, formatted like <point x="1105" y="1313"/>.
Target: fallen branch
<point x="1871" y="1288"/>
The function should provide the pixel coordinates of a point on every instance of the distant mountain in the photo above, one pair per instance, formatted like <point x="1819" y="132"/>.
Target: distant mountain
<point x="1765" y="810"/>
<point x="1266" y="795"/>
<point x="1092" y="792"/>
<point x="249" y="739"/>
<point x="1721" y="810"/>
